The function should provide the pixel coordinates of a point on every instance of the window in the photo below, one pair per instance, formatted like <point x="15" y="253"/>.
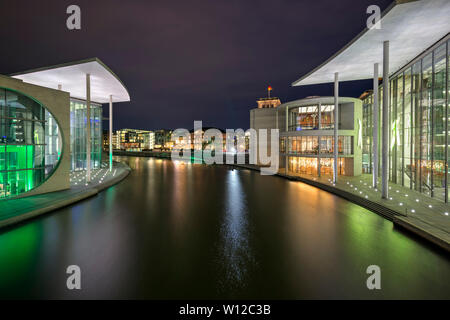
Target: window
<point x="30" y="143"/>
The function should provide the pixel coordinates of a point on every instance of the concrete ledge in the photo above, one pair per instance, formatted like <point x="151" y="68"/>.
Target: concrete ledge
<point x="71" y="199"/>
<point x="415" y="226"/>
<point x="55" y="206"/>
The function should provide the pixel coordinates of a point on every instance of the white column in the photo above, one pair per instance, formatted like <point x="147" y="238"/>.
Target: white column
<point x="59" y="86"/>
<point x="110" y="132"/>
<point x="336" y="124"/>
<point x="287" y="119"/>
<point x="375" y="112"/>
<point x="88" y="128"/>
<point x="319" y="127"/>
<point x="385" y="137"/>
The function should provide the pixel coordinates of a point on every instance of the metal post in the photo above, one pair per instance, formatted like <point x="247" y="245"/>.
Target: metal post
<point x="88" y="128"/>
<point x="110" y="132"/>
<point x="385" y="137"/>
<point x="336" y="124"/>
<point x="375" y="113"/>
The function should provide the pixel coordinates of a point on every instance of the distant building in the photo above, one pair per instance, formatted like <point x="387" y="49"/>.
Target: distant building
<point x="268" y="102"/>
<point x="134" y="140"/>
<point x="306" y="134"/>
<point x="162" y="139"/>
<point x="204" y="143"/>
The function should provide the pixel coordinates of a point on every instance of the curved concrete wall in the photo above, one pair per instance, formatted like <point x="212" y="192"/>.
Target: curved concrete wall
<point x="58" y="103"/>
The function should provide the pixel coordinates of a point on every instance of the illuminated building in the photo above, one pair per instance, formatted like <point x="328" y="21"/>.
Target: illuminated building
<point x="306" y="129"/>
<point x="405" y="132"/>
<point x="135" y="140"/>
<point x="44" y="132"/>
<point x="163" y="139"/>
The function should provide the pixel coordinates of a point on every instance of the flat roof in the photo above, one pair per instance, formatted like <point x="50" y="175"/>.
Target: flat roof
<point x="72" y="77"/>
<point x="411" y="26"/>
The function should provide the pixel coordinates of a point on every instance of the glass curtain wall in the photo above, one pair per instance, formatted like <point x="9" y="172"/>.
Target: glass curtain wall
<point x="418" y="128"/>
<point x="30" y="143"/>
<point x="78" y="123"/>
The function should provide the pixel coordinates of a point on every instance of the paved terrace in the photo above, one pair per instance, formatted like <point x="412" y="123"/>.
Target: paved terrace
<point x="427" y="217"/>
<point x="16" y="210"/>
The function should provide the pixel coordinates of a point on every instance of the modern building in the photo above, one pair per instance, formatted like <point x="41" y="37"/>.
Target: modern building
<point x="43" y="124"/>
<point x="205" y="143"/>
<point x="406" y="132"/>
<point x="306" y="129"/>
<point x="163" y="139"/>
<point x="135" y="140"/>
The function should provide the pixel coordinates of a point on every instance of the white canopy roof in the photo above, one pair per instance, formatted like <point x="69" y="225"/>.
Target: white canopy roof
<point x="410" y="26"/>
<point x="72" y="77"/>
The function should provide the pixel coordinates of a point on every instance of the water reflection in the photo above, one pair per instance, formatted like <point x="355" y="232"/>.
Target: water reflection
<point x="187" y="231"/>
<point x="236" y="252"/>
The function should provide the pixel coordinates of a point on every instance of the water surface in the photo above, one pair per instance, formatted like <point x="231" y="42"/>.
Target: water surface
<point x="175" y="230"/>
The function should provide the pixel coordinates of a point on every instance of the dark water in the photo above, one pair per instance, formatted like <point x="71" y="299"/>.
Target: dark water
<point x="172" y="230"/>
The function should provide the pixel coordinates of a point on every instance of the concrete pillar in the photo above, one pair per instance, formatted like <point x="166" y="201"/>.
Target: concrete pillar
<point x="375" y="112"/>
<point x="110" y="132"/>
<point x="319" y="126"/>
<point x="336" y="124"/>
<point x="287" y="119"/>
<point x="385" y="131"/>
<point x="88" y="128"/>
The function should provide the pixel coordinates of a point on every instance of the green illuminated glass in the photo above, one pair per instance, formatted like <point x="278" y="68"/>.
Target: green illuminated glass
<point x="30" y="143"/>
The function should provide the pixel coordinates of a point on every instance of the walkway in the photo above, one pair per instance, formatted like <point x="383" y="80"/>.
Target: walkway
<point x="16" y="210"/>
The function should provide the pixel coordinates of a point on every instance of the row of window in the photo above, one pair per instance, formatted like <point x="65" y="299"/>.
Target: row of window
<point x="307" y="118"/>
<point x="316" y="145"/>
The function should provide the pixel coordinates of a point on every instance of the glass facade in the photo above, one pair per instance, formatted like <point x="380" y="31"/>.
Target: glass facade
<point x="308" y="118"/>
<point x="310" y="145"/>
<point x="30" y="143"/>
<point x="78" y="123"/>
<point x="418" y="150"/>
<point x="309" y="165"/>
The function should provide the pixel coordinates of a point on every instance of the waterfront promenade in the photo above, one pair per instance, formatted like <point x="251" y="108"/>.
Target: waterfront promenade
<point x="17" y="210"/>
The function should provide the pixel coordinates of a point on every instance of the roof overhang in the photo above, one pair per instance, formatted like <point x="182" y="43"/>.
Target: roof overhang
<point x="411" y="26"/>
<point x="72" y="77"/>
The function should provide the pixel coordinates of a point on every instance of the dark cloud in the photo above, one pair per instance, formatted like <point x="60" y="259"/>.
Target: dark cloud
<point x="188" y="60"/>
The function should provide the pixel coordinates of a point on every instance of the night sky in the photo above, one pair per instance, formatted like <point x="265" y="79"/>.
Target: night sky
<point x="186" y="60"/>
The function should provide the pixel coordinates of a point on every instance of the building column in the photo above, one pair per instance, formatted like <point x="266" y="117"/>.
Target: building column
<point x="88" y="128"/>
<point x="336" y="124"/>
<point x="287" y="119"/>
<point x="385" y="124"/>
<point x="319" y="125"/>
<point x="110" y="132"/>
<point x="375" y="112"/>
